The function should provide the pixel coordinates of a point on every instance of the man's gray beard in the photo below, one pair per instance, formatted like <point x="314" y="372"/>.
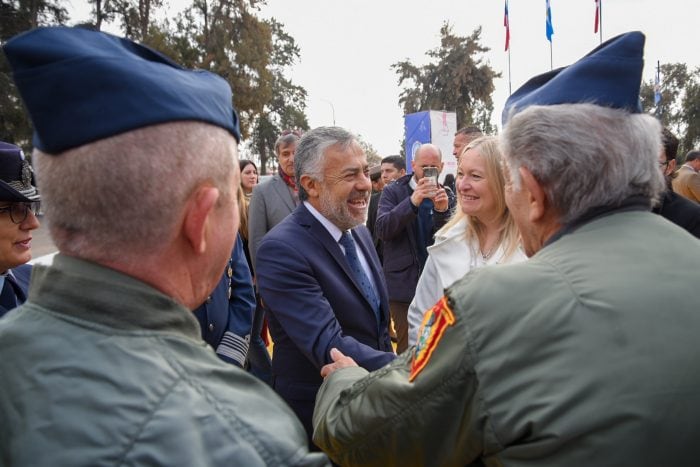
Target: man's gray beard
<point x="339" y="215"/>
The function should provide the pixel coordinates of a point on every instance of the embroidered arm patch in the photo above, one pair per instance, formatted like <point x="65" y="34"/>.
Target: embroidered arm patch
<point x="433" y="327"/>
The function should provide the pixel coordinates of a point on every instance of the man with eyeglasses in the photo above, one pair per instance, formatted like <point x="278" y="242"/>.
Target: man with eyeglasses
<point x="19" y="204"/>
<point x="672" y="206"/>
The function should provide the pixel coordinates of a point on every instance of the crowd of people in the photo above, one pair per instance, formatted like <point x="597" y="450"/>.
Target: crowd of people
<point x="536" y="309"/>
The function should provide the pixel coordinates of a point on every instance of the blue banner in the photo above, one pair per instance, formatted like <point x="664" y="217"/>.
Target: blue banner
<point x="417" y="132"/>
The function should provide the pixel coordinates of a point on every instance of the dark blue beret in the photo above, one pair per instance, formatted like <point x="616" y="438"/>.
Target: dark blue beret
<point x="80" y="86"/>
<point x="609" y="76"/>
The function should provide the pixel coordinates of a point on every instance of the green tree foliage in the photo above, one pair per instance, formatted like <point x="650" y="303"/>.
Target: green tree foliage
<point x="285" y="109"/>
<point x="15" y="17"/>
<point x="679" y="108"/>
<point x="226" y="37"/>
<point x="373" y="157"/>
<point x="135" y="16"/>
<point x="456" y="79"/>
<point x="252" y="54"/>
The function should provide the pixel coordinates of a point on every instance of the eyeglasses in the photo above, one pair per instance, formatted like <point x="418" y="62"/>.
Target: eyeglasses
<point x="663" y="164"/>
<point x="20" y="211"/>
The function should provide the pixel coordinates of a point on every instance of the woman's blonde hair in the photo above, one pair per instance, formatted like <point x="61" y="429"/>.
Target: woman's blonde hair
<point x="488" y="148"/>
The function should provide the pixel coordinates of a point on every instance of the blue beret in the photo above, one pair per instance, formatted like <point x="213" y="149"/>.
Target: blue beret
<point x="80" y="86"/>
<point x="609" y="76"/>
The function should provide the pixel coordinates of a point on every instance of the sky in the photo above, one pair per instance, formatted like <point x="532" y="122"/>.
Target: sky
<point x="348" y="46"/>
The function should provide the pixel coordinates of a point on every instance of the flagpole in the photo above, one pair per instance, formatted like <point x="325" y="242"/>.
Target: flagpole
<point x="551" y="62"/>
<point x="657" y="91"/>
<point x="510" y="89"/>
<point x="600" y="20"/>
<point x="549" y="31"/>
<point x="506" y="23"/>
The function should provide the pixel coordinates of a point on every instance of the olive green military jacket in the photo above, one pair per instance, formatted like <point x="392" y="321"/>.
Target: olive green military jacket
<point x="586" y="354"/>
<point x="101" y="369"/>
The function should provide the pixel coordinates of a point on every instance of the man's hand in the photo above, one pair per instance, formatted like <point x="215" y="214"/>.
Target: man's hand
<point x="339" y="361"/>
<point x="424" y="189"/>
<point x="441" y="201"/>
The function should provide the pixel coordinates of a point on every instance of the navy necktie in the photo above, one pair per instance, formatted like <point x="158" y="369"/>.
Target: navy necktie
<point x="356" y="267"/>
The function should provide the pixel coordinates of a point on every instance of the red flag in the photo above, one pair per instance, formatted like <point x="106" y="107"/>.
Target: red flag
<point x="597" y="15"/>
<point x="506" y="23"/>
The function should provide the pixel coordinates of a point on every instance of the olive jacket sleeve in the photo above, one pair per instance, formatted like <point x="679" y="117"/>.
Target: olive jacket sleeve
<point x="383" y="418"/>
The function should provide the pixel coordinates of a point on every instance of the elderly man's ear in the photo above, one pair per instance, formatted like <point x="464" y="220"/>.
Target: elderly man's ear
<point x="536" y="198"/>
<point x="198" y="219"/>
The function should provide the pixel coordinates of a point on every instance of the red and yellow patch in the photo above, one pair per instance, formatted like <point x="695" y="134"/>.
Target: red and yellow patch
<point x="436" y="320"/>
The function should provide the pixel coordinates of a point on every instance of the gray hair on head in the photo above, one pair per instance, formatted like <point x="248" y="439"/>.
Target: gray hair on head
<point x="120" y="198"/>
<point x="585" y="155"/>
<point x="308" y="159"/>
<point x="286" y="138"/>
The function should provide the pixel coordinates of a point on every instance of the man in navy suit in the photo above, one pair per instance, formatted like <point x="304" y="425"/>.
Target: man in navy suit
<point x="19" y="204"/>
<point x="318" y="272"/>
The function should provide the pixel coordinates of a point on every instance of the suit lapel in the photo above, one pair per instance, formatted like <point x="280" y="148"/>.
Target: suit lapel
<point x="283" y="192"/>
<point x="320" y="233"/>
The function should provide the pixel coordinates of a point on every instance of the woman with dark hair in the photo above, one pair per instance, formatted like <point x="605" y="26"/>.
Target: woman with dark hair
<point x="249" y="179"/>
<point x="19" y="206"/>
<point x="249" y="176"/>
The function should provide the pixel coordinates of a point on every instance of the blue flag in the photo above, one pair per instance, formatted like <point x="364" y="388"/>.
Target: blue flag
<point x="549" y="29"/>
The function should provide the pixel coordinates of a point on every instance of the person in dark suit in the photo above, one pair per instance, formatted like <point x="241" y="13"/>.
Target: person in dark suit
<point x="19" y="205"/>
<point x="375" y="175"/>
<point x="226" y="318"/>
<point x="410" y="211"/>
<point x="319" y="275"/>
<point x="672" y="206"/>
<point x="271" y="202"/>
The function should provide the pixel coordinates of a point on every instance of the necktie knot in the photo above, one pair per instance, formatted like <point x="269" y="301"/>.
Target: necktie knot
<point x="347" y="241"/>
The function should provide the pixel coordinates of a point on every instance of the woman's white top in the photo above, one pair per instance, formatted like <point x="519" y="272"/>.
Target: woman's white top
<point x="449" y="258"/>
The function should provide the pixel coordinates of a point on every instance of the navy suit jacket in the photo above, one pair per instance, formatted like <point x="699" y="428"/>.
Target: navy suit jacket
<point x="680" y="210"/>
<point x="314" y="304"/>
<point x="226" y="319"/>
<point x="22" y="275"/>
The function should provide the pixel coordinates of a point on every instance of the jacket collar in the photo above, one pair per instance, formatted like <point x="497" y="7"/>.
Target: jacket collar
<point x="633" y="203"/>
<point x="94" y="293"/>
<point x="283" y="191"/>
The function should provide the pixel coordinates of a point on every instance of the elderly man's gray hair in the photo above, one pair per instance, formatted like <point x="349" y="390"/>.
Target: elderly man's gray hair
<point x="121" y="197"/>
<point x="308" y="159"/>
<point x="585" y="156"/>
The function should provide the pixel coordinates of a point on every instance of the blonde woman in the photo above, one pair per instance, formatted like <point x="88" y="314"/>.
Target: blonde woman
<point x="480" y="232"/>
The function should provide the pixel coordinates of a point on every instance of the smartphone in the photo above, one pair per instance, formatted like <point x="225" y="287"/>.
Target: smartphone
<point x="431" y="173"/>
